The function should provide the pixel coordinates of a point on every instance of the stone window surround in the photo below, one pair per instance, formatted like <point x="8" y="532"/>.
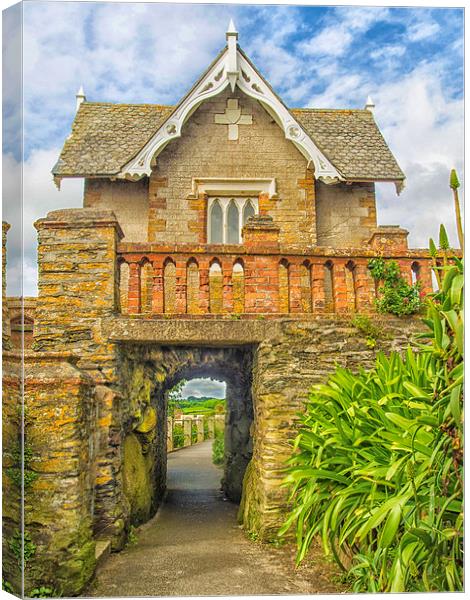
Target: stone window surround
<point x="224" y="202"/>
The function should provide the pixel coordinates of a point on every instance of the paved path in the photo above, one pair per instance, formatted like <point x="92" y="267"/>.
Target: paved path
<point x="194" y="547"/>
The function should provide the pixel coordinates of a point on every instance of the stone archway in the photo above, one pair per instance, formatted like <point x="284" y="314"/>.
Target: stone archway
<point x="146" y="374"/>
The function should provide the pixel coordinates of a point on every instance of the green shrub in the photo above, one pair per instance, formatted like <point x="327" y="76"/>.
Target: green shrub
<point x="218" y="448"/>
<point x="178" y="436"/>
<point x="397" y="296"/>
<point x="193" y="433"/>
<point x="377" y="465"/>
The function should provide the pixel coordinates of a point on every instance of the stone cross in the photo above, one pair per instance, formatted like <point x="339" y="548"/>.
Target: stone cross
<point x="233" y="118"/>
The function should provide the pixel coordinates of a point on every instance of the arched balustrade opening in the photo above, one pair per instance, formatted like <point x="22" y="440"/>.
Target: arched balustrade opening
<point x="329" y="287"/>
<point x="415" y="272"/>
<point x="215" y="288"/>
<point x="306" y="286"/>
<point x="124" y="287"/>
<point x="284" y="292"/>
<point x="350" y="273"/>
<point x="192" y="287"/>
<point x="238" y="287"/>
<point x="169" y="287"/>
<point x="146" y="287"/>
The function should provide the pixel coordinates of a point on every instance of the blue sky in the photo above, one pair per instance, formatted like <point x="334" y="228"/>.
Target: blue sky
<point x="410" y="60"/>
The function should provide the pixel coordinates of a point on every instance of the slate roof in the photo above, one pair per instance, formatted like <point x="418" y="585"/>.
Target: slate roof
<point x="107" y="136"/>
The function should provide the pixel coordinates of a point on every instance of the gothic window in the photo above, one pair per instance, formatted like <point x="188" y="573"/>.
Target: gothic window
<point x="216" y="224"/>
<point x="233" y="223"/>
<point x="248" y="211"/>
<point x="226" y="218"/>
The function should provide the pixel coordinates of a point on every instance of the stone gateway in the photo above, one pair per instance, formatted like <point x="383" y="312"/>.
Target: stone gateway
<point x="227" y="236"/>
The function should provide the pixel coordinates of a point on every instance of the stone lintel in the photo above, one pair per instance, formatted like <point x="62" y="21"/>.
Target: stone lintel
<point x="191" y="332"/>
<point x="72" y="218"/>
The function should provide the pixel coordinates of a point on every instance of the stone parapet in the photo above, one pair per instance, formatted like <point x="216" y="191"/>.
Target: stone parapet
<point x="77" y="259"/>
<point x="6" y="342"/>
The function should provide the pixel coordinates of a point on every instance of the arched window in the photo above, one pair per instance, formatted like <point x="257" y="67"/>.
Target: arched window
<point x="216" y="224"/>
<point x="248" y="211"/>
<point x="233" y="223"/>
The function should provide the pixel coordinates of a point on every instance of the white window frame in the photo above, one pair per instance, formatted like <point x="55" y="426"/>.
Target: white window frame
<point x="224" y="202"/>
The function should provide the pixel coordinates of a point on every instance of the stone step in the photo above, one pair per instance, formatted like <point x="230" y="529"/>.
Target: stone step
<point x="102" y="550"/>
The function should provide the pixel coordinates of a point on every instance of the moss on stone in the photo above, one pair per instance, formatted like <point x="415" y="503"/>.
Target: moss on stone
<point x="148" y="420"/>
<point x="136" y="480"/>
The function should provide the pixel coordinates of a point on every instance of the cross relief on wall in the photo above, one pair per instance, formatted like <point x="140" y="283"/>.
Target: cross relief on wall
<point x="233" y="118"/>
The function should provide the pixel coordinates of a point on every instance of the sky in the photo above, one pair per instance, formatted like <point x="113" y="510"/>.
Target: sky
<point x="210" y="388"/>
<point x="409" y="60"/>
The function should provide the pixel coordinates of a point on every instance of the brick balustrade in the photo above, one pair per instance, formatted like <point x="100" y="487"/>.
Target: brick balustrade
<point x="243" y="280"/>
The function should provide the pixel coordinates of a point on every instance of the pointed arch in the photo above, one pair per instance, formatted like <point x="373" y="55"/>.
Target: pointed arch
<point x="219" y="75"/>
<point x="233" y="223"/>
<point x="248" y="211"/>
<point x="216" y="223"/>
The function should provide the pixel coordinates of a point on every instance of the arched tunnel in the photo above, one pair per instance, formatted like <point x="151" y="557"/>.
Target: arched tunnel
<point x="148" y="373"/>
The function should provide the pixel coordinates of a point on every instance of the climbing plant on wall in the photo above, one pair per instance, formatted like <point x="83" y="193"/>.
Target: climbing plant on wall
<point x="396" y="295"/>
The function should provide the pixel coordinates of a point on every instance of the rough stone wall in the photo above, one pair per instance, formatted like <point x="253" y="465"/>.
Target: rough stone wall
<point x="346" y="214"/>
<point x="6" y="343"/>
<point x="129" y="200"/>
<point x="287" y="363"/>
<point x="205" y="151"/>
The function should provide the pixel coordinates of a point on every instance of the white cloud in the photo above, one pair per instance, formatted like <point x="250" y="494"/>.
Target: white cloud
<point x="388" y="51"/>
<point x="39" y="197"/>
<point x="209" y="388"/>
<point x="421" y="30"/>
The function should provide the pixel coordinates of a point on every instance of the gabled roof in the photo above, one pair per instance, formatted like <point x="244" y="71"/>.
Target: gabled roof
<point x="122" y="140"/>
<point x="352" y="141"/>
<point x="107" y="136"/>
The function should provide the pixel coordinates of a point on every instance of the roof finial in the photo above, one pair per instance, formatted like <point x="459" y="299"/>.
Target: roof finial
<point x="369" y="104"/>
<point x="232" y="30"/>
<point x="80" y="96"/>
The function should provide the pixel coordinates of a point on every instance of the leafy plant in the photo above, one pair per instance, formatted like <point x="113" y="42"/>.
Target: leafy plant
<point x="377" y="465"/>
<point x="178" y="436"/>
<point x="218" y="449"/>
<point x="396" y="295"/>
<point x="41" y="592"/>
<point x="7" y="587"/>
<point x="18" y="542"/>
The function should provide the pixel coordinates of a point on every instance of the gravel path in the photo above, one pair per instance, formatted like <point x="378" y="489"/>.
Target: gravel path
<point x="194" y="547"/>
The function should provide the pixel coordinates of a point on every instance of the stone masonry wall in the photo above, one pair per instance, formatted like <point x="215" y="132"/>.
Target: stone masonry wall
<point x="346" y="214"/>
<point x="205" y="151"/>
<point x="129" y="200"/>
<point x="296" y="355"/>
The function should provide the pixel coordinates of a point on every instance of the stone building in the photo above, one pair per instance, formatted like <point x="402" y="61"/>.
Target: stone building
<point x="227" y="236"/>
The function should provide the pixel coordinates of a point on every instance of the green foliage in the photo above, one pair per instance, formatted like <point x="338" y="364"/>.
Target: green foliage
<point x="41" y="592"/>
<point x="218" y="448"/>
<point x="15" y="544"/>
<point x="131" y="537"/>
<point x="175" y="397"/>
<point x="377" y="465"/>
<point x="443" y="238"/>
<point x="193" y="433"/>
<point x="397" y="296"/>
<point x="371" y="330"/>
<point x="178" y="436"/>
<point x="7" y="587"/>
<point x="14" y="472"/>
